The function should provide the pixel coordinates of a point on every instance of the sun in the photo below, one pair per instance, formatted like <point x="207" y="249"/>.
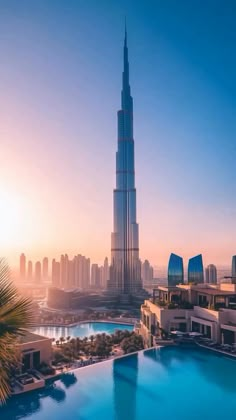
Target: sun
<point x="11" y="213"/>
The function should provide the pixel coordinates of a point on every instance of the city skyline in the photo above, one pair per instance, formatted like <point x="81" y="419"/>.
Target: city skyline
<point x="55" y="193"/>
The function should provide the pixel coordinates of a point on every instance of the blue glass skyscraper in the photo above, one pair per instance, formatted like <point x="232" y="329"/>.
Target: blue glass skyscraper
<point x="195" y="270"/>
<point x="175" y="270"/>
<point x="125" y="271"/>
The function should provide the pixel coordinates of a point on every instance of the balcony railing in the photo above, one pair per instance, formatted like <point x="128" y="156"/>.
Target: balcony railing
<point x="174" y="305"/>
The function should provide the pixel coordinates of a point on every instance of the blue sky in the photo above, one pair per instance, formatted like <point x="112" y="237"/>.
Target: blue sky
<point x="60" y="78"/>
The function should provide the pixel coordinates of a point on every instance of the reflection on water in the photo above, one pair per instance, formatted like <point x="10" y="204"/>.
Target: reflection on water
<point x="215" y="367"/>
<point x="140" y="381"/>
<point x="125" y="375"/>
<point x="68" y="379"/>
<point x="27" y="404"/>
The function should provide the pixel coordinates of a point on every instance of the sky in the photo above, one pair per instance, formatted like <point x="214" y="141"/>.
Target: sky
<point x="60" y="82"/>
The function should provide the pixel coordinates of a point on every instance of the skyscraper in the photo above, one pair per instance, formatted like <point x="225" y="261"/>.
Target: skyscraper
<point x="38" y="272"/>
<point x="234" y="266"/>
<point x="211" y="274"/>
<point x="175" y="270"/>
<point x="147" y="272"/>
<point x="45" y="268"/>
<point x="105" y="272"/>
<point x="95" y="276"/>
<point x="55" y="273"/>
<point x="22" y="266"/>
<point x="125" y="272"/>
<point x="195" y="270"/>
<point x="30" y="270"/>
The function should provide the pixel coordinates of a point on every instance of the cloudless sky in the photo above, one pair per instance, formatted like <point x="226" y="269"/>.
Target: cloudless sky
<point x="60" y="81"/>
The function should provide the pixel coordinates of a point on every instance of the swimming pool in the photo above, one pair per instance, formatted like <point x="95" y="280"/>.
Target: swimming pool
<point x="82" y="330"/>
<point x="170" y="383"/>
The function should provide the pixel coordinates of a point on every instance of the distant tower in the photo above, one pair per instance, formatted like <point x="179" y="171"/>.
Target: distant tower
<point x="211" y="274"/>
<point x="55" y="273"/>
<point x="195" y="270"/>
<point x="45" y="268"/>
<point x="125" y="271"/>
<point x="87" y="278"/>
<point x="66" y="271"/>
<point x="105" y="272"/>
<point x="95" y="276"/>
<point x="22" y="266"/>
<point x="234" y="266"/>
<point x="71" y="273"/>
<point x="175" y="270"/>
<point x="147" y="272"/>
<point x="38" y="272"/>
<point x="30" y="270"/>
<point x="62" y="271"/>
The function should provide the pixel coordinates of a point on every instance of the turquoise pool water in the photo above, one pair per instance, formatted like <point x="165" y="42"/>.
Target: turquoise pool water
<point x="168" y="383"/>
<point x="82" y="330"/>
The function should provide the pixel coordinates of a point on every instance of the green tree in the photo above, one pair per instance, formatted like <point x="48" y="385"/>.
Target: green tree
<point x="16" y="316"/>
<point x="62" y="340"/>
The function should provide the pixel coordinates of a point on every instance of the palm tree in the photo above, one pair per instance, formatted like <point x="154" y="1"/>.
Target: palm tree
<point x="16" y="316"/>
<point x="62" y="340"/>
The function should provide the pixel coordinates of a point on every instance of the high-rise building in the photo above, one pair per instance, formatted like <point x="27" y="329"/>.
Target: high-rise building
<point x="87" y="277"/>
<point x="80" y="274"/>
<point x="38" y="272"/>
<point x="85" y="273"/>
<point x="105" y="273"/>
<point x="234" y="266"/>
<point x="195" y="270"/>
<point x="55" y="273"/>
<point x="62" y="270"/>
<point x="211" y="274"/>
<point x="45" y="268"/>
<point x="74" y="273"/>
<point x="147" y="272"/>
<point x="66" y="272"/>
<point x="30" y="271"/>
<point x="71" y="274"/>
<point x="95" y="276"/>
<point x="22" y="266"/>
<point x="175" y="270"/>
<point x="125" y="271"/>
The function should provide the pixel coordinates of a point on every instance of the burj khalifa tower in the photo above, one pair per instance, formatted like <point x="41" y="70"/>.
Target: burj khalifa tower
<point x="125" y="271"/>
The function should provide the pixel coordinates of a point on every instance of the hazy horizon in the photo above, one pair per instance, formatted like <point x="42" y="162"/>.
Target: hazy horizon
<point x="60" y="81"/>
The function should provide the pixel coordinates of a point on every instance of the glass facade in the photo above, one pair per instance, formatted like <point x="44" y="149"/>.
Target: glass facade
<point x="234" y="266"/>
<point x="125" y="271"/>
<point x="175" y="270"/>
<point x="211" y="274"/>
<point x="195" y="270"/>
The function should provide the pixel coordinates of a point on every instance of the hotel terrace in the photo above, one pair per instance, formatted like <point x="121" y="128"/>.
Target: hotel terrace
<point x="203" y="308"/>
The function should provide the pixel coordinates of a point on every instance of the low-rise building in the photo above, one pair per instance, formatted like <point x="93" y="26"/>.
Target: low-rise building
<point x="205" y="309"/>
<point x="34" y="350"/>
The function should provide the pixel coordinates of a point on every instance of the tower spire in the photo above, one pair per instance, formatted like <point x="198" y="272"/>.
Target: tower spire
<point x="125" y="33"/>
<point x="125" y="273"/>
<point x="125" y="95"/>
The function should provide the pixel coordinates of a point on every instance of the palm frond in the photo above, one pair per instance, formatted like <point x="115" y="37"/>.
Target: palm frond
<point x="16" y="316"/>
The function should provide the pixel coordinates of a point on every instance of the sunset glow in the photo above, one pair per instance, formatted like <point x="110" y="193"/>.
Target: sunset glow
<point x="11" y="214"/>
<point x="58" y="122"/>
